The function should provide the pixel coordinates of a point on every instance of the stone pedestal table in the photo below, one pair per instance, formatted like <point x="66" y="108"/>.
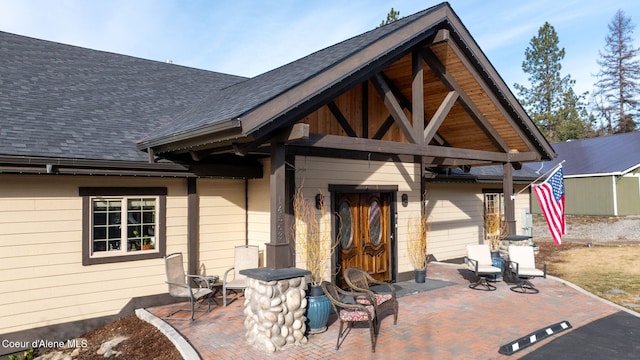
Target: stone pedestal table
<point x="275" y="307"/>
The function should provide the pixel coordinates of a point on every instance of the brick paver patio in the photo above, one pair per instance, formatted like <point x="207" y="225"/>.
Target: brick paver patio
<point x="452" y="322"/>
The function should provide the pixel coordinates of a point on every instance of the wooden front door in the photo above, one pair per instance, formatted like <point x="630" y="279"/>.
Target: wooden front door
<point x="364" y="233"/>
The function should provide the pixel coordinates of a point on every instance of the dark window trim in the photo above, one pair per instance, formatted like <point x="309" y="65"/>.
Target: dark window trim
<point x="88" y="192"/>
<point x="122" y="191"/>
<point x="362" y="188"/>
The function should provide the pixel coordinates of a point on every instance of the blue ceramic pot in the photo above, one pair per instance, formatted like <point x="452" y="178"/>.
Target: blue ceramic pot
<point x="318" y="310"/>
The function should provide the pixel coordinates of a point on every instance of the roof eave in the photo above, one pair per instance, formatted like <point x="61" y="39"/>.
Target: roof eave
<point x="218" y="132"/>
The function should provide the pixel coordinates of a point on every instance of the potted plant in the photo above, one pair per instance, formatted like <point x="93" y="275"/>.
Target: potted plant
<point x="495" y="231"/>
<point x="417" y="241"/>
<point x="147" y="243"/>
<point x="312" y="234"/>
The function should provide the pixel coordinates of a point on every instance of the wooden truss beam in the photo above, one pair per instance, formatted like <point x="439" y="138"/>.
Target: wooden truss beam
<point x="417" y="95"/>
<point x="439" y="69"/>
<point x="344" y="123"/>
<point x="440" y="115"/>
<point x="405" y="104"/>
<point x="444" y="36"/>
<point x="394" y="107"/>
<point x="392" y="147"/>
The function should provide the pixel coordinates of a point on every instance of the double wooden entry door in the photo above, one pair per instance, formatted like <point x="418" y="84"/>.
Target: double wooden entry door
<point x="364" y="233"/>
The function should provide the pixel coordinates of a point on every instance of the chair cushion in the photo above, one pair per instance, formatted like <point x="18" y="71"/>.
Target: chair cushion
<point x="380" y="298"/>
<point x="523" y="255"/>
<point x="347" y="299"/>
<point x="356" y="314"/>
<point x="488" y="269"/>
<point x="530" y="272"/>
<point x="479" y="253"/>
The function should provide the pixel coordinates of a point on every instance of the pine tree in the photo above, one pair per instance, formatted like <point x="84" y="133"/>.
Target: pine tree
<point x="551" y="101"/>
<point x="618" y="87"/>
<point x="391" y="17"/>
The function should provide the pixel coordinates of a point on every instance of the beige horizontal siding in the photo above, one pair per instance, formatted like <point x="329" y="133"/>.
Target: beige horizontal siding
<point x="456" y="213"/>
<point x="317" y="173"/>
<point x="42" y="279"/>
<point x="222" y="223"/>
<point x="259" y="215"/>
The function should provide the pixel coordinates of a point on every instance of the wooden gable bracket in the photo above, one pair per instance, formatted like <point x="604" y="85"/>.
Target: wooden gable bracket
<point x="406" y="104"/>
<point x="440" y="115"/>
<point x="344" y="123"/>
<point x="390" y="101"/>
<point x="449" y="81"/>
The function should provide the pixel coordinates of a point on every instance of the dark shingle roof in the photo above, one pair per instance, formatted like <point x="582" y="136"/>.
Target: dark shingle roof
<point x="237" y="100"/>
<point x="64" y="101"/>
<point x="615" y="154"/>
<point x="483" y="174"/>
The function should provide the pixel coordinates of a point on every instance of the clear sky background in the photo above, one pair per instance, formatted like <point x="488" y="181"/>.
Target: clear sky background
<point x="249" y="37"/>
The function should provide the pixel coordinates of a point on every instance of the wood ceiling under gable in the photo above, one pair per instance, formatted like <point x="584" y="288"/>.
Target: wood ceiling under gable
<point x="460" y="112"/>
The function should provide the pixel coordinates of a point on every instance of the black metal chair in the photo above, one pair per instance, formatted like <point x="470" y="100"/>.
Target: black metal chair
<point x="179" y="286"/>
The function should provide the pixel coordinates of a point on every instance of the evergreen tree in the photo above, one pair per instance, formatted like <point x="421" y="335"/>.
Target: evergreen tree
<point x="576" y="122"/>
<point x="391" y="17"/>
<point x="617" y="87"/>
<point x="551" y="101"/>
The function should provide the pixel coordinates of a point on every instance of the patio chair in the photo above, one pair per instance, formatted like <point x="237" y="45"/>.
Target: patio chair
<point x="245" y="257"/>
<point x="360" y="281"/>
<point x="522" y="263"/>
<point x="479" y="261"/>
<point x="350" y="312"/>
<point x="180" y="286"/>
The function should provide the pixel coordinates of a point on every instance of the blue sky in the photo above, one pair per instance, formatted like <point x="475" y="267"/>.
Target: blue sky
<point x="247" y="38"/>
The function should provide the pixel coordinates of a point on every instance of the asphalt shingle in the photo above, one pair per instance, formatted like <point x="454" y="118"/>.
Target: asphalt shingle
<point x="71" y="102"/>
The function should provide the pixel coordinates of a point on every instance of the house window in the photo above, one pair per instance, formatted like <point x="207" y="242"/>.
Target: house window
<point x="137" y="233"/>
<point x="493" y="207"/>
<point x="123" y="224"/>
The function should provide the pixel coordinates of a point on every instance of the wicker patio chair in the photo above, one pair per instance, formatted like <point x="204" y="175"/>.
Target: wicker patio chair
<point x="479" y="261"/>
<point x="245" y="257"/>
<point x="349" y="311"/>
<point x="522" y="263"/>
<point x="360" y="281"/>
<point x="179" y="286"/>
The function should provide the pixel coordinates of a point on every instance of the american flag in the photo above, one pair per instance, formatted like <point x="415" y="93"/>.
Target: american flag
<point x="550" y="196"/>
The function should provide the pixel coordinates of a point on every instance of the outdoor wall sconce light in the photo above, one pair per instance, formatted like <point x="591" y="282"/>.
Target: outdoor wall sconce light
<point x="405" y="200"/>
<point x="319" y="201"/>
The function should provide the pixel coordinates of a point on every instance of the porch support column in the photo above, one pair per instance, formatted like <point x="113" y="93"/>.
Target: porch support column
<point x="278" y="254"/>
<point x="509" y="201"/>
<point x="193" y="226"/>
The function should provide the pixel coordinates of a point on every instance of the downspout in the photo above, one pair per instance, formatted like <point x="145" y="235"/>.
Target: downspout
<point x="246" y="211"/>
<point x="615" y="195"/>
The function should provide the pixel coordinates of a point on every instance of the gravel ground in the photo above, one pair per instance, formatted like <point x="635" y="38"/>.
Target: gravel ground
<point x="596" y="229"/>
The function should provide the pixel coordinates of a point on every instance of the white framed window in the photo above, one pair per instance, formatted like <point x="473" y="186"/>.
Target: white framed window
<point x="123" y="224"/>
<point x="493" y="206"/>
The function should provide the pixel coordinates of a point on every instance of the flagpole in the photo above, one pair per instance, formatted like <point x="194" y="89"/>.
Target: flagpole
<point x="539" y="177"/>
